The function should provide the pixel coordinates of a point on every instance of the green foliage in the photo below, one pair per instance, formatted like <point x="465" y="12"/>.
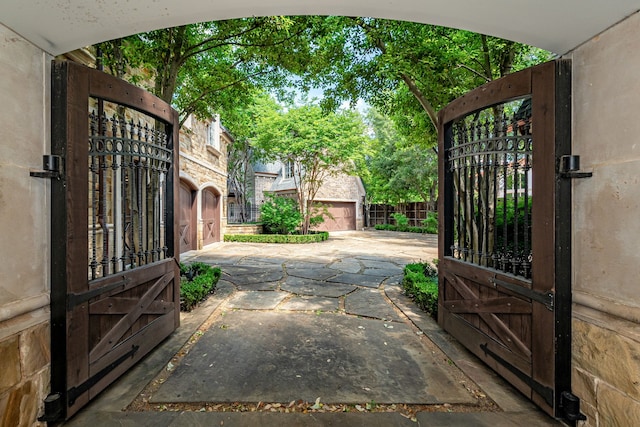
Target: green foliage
<point x="420" y="283"/>
<point x="400" y="219"/>
<point x="280" y="215"/>
<point x="314" y="237"/>
<point x="431" y="222"/>
<point x="197" y="281"/>
<point x="399" y="171"/>
<point x="407" y="228"/>
<point x="509" y="211"/>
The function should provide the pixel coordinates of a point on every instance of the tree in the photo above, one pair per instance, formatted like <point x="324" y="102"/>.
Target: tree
<point x="409" y="70"/>
<point x="212" y="67"/>
<point x="399" y="171"/>
<point x="315" y="144"/>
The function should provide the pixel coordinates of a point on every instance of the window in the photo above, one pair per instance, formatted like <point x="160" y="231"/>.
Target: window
<point x="213" y="133"/>
<point x="288" y="169"/>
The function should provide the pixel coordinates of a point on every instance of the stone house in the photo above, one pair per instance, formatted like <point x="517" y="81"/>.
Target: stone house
<point x="203" y="182"/>
<point x="342" y="194"/>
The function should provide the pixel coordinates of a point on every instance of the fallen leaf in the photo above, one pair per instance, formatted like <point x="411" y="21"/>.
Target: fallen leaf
<point x="360" y="408"/>
<point x="317" y="405"/>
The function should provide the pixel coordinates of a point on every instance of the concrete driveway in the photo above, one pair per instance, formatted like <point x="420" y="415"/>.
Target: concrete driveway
<point x="314" y="334"/>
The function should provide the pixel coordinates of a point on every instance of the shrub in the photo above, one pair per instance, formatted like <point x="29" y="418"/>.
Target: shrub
<point x="431" y="222"/>
<point x="420" y="283"/>
<point x="197" y="281"/>
<point x="406" y="228"/>
<point x="401" y="219"/>
<point x="280" y="215"/>
<point x="313" y="237"/>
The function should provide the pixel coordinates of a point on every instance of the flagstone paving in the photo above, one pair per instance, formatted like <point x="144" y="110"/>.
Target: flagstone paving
<point x="325" y="323"/>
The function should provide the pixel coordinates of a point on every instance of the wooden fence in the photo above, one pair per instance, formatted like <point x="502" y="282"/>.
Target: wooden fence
<point x="416" y="212"/>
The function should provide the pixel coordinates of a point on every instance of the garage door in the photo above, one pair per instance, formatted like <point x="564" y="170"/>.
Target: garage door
<point x="344" y="217"/>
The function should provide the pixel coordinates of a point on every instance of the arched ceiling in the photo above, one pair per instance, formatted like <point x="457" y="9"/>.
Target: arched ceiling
<point x="59" y="26"/>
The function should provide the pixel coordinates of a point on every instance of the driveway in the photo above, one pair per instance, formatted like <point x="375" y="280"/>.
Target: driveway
<point x="312" y="334"/>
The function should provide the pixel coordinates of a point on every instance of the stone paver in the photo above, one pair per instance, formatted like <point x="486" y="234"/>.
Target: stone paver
<point x="302" y="286"/>
<point x="310" y="303"/>
<point x="367" y="280"/>
<point x="256" y="300"/>
<point x="281" y="357"/>
<point x="326" y="320"/>
<point x="370" y="303"/>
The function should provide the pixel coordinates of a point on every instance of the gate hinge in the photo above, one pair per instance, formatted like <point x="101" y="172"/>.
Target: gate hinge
<point x="50" y="167"/>
<point x="53" y="408"/>
<point x="547" y="298"/>
<point x="570" y="407"/>
<point x="569" y="167"/>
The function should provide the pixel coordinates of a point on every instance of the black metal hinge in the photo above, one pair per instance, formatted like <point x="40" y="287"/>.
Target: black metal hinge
<point x="541" y="389"/>
<point x="546" y="299"/>
<point x="569" y="167"/>
<point x="76" y="392"/>
<point x="51" y="167"/>
<point x="570" y="407"/>
<point x="53" y="408"/>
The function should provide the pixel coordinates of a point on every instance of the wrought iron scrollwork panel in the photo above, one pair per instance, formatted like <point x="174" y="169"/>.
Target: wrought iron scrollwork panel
<point x="490" y="166"/>
<point x="129" y="159"/>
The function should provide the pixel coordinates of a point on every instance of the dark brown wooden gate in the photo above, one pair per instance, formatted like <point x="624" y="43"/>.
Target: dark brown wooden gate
<point x="115" y="280"/>
<point x="504" y="245"/>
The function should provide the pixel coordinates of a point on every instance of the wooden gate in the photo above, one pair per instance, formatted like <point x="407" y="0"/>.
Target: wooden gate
<point x="115" y="277"/>
<point x="504" y="246"/>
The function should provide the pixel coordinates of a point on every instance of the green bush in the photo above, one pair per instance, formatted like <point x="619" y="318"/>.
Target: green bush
<point x="431" y="222"/>
<point x="197" y="281"/>
<point x="400" y="219"/>
<point x="407" y="228"/>
<point x="313" y="237"/>
<point x="420" y="283"/>
<point x="280" y="215"/>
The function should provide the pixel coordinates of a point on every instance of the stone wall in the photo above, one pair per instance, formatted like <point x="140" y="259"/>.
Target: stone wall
<point x="24" y="227"/>
<point x="25" y="375"/>
<point x="606" y="330"/>
<point x="205" y="166"/>
<point x="244" y="229"/>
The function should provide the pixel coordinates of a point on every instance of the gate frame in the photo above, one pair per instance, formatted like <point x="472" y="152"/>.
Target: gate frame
<point x="72" y="86"/>
<point x="551" y="84"/>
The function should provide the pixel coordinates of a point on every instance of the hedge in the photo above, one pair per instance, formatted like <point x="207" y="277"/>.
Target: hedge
<point x="420" y="283"/>
<point x="407" y="228"/>
<point x="197" y="281"/>
<point x="320" y="236"/>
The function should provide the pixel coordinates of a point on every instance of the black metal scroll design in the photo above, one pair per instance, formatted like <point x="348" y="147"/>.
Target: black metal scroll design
<point x="490" y="166"/>
<point x="129" y="158"/>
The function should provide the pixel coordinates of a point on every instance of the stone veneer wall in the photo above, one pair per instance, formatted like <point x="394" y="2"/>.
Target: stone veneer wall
<point x="206" y="166"/>
<point x="24" y="227"/>
<point x="24" y="375"/>
<point x="606" y="228"/>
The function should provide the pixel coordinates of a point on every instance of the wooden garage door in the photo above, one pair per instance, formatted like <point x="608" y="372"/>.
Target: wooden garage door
<point x="210" y="216"/>
<point x="344" y="217"/>
<point x="187" y="218"/>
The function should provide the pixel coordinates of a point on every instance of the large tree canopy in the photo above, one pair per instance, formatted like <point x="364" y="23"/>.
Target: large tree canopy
<point x="407" y="71"/>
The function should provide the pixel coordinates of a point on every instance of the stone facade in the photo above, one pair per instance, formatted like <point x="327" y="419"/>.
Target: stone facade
<point x="24" y="227"/>
<point x="269" y="178"/>
<point x="606" y="315"/>
<point x="203" y="165"/>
